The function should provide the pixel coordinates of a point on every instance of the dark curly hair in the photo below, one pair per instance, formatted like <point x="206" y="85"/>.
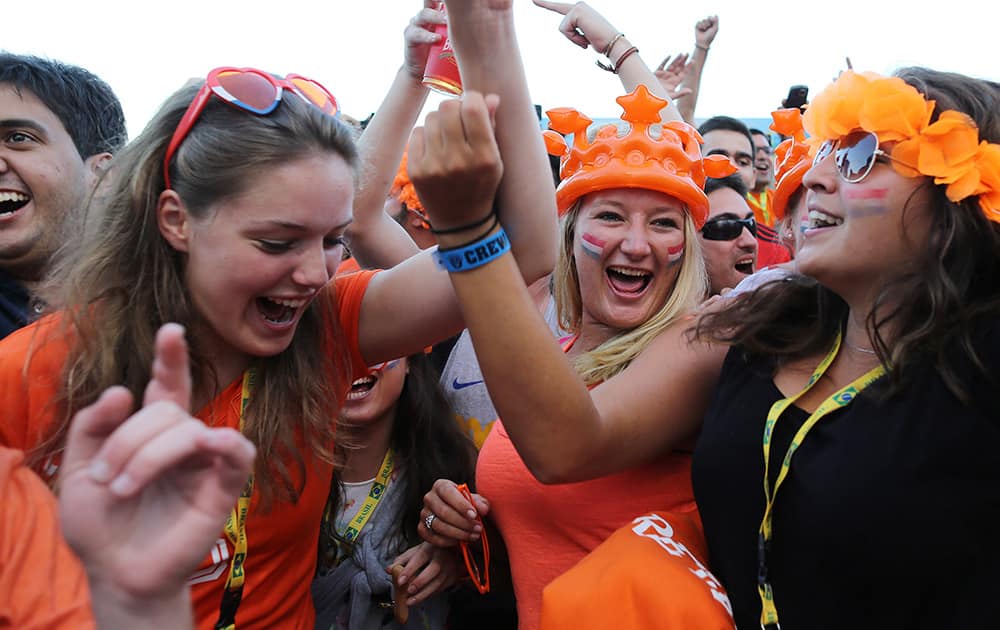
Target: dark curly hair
<point x="935" y="308"/>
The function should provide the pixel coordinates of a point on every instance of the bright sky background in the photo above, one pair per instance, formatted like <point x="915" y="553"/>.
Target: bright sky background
<point x="146" y="50"/>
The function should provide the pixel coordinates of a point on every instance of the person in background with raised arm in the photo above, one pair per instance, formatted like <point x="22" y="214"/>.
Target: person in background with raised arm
<point x="704" y="34"/>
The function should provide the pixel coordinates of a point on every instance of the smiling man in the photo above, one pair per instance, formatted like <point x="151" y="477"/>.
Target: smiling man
<point x="59" y="126"/>
<point x="728" y="238"/>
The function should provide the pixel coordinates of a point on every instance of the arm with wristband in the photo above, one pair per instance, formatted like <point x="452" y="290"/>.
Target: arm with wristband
<point x="482" y="35"/>
<point x="704" y="34"/>
<point x="585" y="27"/>
<point x="563" y="431"/>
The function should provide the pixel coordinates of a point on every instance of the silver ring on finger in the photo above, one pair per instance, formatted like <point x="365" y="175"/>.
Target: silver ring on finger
<point x="429" y="522"/>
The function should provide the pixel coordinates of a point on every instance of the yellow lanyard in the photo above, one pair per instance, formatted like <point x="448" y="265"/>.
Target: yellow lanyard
<point x="353" y="529"/>
<point x="841" y="398"/>
<point x="236" y="532"/>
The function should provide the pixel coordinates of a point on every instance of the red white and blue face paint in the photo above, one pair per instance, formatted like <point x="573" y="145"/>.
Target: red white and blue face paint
<point x="592" y="245"/>
<point x="675" y="254"/>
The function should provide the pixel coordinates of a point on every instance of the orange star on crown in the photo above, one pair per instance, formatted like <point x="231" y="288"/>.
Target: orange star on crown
<point x="662" y="157"/>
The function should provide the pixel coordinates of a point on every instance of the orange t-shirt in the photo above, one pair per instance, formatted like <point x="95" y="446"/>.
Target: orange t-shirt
<point x="548" y="529"/>
<point x="42" y="583"/>
<point x="281" y="555"/>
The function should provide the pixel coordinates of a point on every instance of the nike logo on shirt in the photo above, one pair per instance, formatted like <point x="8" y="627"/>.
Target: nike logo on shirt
<point x="459" y="385"/>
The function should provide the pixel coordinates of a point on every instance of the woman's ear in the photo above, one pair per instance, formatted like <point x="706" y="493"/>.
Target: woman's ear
<point x="173" y="220"/>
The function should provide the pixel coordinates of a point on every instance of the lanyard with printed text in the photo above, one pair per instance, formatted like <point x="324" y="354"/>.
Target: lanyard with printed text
<point x="330" y="547"/>
<point x="353" y="529"/>
<point x="841" y="398"/>
<point x="236" y="532"/>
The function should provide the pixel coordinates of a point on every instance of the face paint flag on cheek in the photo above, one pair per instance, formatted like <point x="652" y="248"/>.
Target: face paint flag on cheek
<point x="674" y="254"/>
<point x="592" y="245"/>
<point x="866" y="203"/>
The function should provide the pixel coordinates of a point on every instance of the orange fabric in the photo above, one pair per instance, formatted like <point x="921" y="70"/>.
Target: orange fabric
<point x="548" y="529"/>
<point x="669" y="161"/>
<point x="42" y="583"/>
<point x="348" y="265"/>
<point x="649" y="574"/>
<point x="758" y="202"/>
<point x="948" y="149"/>
<point x="282" y="542"/>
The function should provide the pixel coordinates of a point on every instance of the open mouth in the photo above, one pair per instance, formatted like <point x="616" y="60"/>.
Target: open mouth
<point x="745" y="265"/>
<point x="819" y="219"/>
<point x="279" y="311"/>
<point x="362" y="387"/>
<point x="11" y="202"/>
<point x="627" y="281"/>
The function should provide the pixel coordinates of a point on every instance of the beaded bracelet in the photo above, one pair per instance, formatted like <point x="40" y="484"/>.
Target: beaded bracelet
<point x="475" y="254"/>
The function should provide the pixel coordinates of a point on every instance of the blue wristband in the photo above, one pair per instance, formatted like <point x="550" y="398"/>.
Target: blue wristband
<point x="474" y="255"/>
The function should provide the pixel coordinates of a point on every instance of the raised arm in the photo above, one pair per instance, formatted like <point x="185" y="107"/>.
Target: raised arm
<point x="482" y="35"/>
<point x="562" y="431"/>
<point x="585" y="27"/>
<point x="374" y="238"/>
<point x="704" y="34"/>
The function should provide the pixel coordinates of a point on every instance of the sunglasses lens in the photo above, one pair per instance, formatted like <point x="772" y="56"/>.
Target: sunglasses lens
<point x="727" y="229"/>
<point x="823" y="151"/>
<point x="249" y="90"/>
<point x="856" y="155"/>
<point x="315" y="94"/>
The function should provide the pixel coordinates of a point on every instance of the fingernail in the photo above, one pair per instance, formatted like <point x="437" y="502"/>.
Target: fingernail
<point x="477" y="528"/>
<point x="471" y="513"/>
<point x="122" y="484"/>
<point x="99" y="471"/>
<point x="411" y="590"/>
<point x="411" y="601"/>
<point x="474" y="537"/>
<point x="402" y="580"/>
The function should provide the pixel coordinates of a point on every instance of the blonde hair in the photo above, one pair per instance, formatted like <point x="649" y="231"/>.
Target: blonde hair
<point x="615" y="354"/>
<point x="125" y="281"/>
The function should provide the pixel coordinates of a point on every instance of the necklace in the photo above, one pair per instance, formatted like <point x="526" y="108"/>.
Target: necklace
<point x="860" y="349"/>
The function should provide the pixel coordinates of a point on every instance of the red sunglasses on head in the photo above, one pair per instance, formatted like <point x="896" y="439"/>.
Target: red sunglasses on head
<point x="251" y="90"/>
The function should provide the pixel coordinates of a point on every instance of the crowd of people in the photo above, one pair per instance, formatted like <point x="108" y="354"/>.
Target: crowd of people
<point x="266" y="366"/>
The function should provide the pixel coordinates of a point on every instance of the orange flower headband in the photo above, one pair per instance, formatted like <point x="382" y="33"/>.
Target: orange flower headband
<point x="670" y="162"/>
<point x="402" y="189"/>
<point x="949" y="150"/>
<point x="791" y="158"/>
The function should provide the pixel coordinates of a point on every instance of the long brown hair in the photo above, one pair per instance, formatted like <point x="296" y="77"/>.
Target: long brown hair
<point x="935" y="308"/>
<point x="125" y="280"/>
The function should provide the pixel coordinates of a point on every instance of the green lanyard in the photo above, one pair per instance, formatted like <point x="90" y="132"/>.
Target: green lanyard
<point x="236" y="532"/>
<point x="841" y="398"/>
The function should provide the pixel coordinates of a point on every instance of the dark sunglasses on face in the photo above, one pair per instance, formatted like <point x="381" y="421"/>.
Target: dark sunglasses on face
<point x="855" y="155"/>
<point x="727" y="229"/>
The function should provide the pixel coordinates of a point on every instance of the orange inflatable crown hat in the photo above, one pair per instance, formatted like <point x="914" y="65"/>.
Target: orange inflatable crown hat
<point x="791" y="158"/>
<point x="402" y="189"/>
<point x="667" y="160"/>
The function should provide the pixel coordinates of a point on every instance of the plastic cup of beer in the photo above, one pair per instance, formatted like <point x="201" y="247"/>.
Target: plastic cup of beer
<point x="441" y="71"/>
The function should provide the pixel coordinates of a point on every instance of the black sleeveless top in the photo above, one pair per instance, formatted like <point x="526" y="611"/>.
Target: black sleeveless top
<point x="890" y="514"/>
